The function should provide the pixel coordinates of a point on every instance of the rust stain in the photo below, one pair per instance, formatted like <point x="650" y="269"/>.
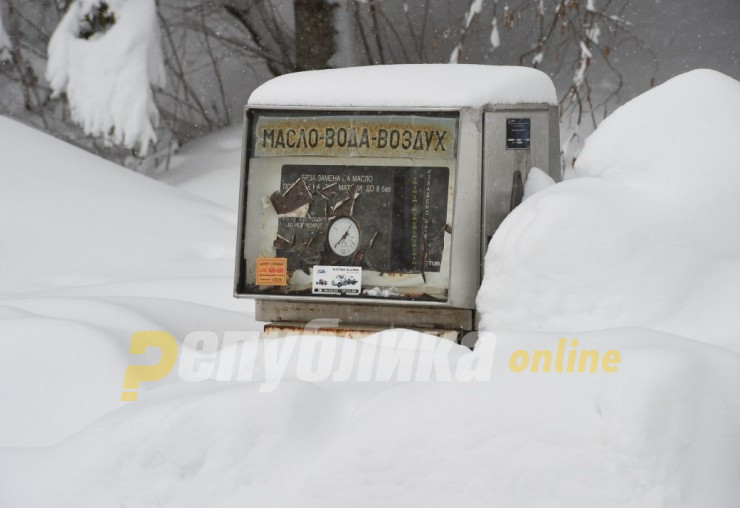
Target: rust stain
<point x="278" y="330"/>
<point x="348" y="333"/>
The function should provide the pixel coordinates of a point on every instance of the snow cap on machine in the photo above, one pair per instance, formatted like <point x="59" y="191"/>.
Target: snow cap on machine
<point x="408" y="85"/>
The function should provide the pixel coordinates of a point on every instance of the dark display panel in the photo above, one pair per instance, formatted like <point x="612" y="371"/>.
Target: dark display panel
<point x="518" y="133"/>
<point x="400" y="214"/>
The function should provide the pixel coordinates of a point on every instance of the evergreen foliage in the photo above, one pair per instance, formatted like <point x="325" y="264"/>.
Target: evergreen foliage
<point x="97" y="21"/>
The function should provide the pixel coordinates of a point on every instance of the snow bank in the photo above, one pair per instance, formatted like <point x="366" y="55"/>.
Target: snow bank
<point x="81" y="220"/>
<point x="108" y="77"/>
<point x="420" y="85"/>
<point x="642" y="236"/>
<point x="92" y="253"/>
<point x="677" y="138"/>
<point x="209" y="167"/>
<point x="663" y="431"/>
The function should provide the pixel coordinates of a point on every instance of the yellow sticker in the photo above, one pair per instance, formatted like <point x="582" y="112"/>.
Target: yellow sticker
<point x="272" y="272"/>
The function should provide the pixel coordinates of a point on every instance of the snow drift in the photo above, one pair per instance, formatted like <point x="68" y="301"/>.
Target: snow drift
<point x="664" y="431"/>
<point x="90" y="254"/>
<point x="644" y="236"/>
<point x="209" y="167"/>
<point x="80" y="220"/>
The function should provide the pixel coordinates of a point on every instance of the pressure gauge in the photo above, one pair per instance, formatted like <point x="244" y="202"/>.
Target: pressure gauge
<point x="344" y="236"/>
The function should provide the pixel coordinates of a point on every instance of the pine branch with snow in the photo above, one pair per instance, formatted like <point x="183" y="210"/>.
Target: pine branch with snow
<point x="106" y="57"/>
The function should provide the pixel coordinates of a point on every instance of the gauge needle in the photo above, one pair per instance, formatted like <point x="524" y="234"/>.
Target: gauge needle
<point x="343" y="236"/>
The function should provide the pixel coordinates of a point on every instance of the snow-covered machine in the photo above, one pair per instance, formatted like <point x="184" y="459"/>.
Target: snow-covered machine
<point x="369" y="195"/>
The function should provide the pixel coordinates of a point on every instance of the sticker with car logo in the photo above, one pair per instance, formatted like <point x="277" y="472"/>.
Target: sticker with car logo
<point x="336" y="280"/>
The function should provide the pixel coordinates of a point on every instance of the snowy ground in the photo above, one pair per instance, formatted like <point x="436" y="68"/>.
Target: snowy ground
<point x="92" y="253"/>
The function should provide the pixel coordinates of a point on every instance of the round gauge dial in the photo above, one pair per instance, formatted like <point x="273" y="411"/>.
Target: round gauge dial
<point x="344" y="236"/>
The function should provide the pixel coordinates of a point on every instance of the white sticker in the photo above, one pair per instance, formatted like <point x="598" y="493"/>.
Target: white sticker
<point x="336" y="280"/>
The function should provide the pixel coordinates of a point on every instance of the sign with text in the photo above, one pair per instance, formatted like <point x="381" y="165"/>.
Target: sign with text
<point x="336" y="280"/>
<point x="412" y="136"/>
<point x="518" y="133"/>
<point x="272" y="271"/>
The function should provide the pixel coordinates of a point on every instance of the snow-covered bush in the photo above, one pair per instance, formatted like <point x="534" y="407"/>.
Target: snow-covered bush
<point x="106" y="56"/>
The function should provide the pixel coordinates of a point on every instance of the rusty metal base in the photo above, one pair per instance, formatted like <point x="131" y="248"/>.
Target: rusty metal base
<point x="382" y="316"/>
<point x="287" y="329"/>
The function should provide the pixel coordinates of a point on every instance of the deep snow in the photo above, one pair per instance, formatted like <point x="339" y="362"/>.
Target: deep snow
<point x="92" y="253"/>
<point x="208" y="167"/>
<point x="86" y="270"/>
<point x="644" y="235"/>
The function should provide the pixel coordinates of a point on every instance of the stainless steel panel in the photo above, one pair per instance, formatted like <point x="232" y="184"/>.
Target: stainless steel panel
<point x="500" y="164"/>
<point x="553" y="134"/>
<point x="465" y="262"/>
<point x="240" y="213"/>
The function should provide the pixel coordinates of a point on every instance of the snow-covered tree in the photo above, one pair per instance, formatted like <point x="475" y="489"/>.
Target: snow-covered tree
<point x="106" y="56"/>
